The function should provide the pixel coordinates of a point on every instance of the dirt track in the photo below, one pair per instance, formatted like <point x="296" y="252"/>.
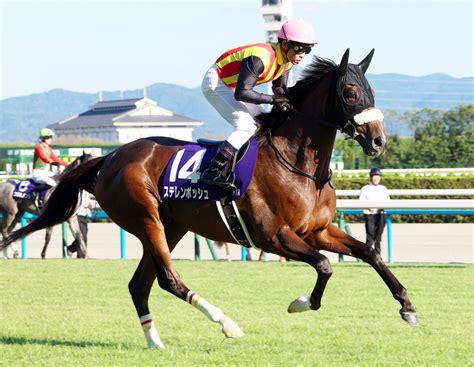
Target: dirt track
<point x="438" y="243"/>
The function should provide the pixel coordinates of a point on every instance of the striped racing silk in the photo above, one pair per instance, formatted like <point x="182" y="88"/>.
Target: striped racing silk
<point x="228" y="64"/>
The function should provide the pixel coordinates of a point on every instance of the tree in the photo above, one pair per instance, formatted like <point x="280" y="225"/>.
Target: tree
<point x="443" y="138"/>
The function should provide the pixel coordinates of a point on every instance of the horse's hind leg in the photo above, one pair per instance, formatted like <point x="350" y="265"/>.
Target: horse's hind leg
<point x="338" y="241"/>
<point x="9" y="222"/>
<point x="139" y="287"/>
<point x="156" y="262"/>
<point x="170" y="280"/>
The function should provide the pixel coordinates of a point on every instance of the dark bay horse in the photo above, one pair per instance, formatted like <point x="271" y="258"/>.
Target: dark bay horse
<point x="288" y="207"/>
<point x="13" y="209"/>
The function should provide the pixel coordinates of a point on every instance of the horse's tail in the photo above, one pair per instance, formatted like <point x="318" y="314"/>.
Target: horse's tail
<point x="62" y="203"/>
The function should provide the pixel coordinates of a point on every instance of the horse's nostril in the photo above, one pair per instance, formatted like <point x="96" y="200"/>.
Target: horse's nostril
<point x="378" y="141"/>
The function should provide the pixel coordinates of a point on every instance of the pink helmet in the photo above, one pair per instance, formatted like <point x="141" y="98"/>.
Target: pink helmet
<point x="297" y="30"/>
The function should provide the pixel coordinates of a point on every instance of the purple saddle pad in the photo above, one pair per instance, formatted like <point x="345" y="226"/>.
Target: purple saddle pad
<point x="26" y="190"/>
<point x="181" y="180"/>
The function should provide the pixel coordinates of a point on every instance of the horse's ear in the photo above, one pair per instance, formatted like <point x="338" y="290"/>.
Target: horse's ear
<point x="364" y="64"/>
<point x="344" y="63"/>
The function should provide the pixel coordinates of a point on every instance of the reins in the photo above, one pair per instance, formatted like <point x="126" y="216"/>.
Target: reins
<point x="292" y="168"/>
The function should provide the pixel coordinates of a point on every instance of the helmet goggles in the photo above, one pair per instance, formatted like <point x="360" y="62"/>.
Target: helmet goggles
<point x="299" y="48"/>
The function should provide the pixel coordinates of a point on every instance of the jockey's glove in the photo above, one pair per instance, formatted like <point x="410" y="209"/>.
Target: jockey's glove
<point x="281" y="102"/>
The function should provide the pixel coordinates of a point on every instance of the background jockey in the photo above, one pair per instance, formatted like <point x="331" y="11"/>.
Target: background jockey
<point x="228" y="86"/>
<point x="43" y="157"/>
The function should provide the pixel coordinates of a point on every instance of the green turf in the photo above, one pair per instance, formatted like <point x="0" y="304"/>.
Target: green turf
<point x="68" y="312"/>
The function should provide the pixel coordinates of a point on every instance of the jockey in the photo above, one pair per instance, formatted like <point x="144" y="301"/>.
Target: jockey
<point x="44" y="156"/>
<point x="228" y="86"/>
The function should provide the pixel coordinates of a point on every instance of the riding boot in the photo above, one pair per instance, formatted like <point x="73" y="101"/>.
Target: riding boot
<point x="218" y="173"/>
<point x="38" y="201"/>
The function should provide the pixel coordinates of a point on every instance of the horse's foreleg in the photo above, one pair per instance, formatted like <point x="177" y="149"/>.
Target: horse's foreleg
<point x="336" y="240"/>
<point x="297" y="249"/>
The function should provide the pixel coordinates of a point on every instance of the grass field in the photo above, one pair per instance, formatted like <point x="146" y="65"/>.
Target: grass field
<point x="58" y="313"/>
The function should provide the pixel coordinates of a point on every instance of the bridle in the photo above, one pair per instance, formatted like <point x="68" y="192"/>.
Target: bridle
<point x="348" y="127"/>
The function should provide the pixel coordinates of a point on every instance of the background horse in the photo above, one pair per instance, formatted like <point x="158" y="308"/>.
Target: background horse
<point x="288" y="207"/>
<point x="13" y="209"/>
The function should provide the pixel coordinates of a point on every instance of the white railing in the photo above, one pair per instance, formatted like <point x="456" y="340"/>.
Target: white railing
<point x="404" y="171"/>
<point x="405" y="204"/>
<point x="403" y="207"/>
<point x="415" y="192"/>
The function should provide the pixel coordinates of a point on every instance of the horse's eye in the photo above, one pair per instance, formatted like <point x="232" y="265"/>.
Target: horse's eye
<point x="350" y="97"/>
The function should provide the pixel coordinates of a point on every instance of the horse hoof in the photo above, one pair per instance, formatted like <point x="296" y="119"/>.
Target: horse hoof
<point x="299" y="305"/>
<point x="410" y="317"/>
<point x="16" y="255"/>
<point x="231" y="329"/>
<point x="156" y="345"/>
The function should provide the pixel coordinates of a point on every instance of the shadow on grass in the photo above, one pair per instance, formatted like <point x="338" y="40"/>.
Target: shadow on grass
<point x="20" y="340"/>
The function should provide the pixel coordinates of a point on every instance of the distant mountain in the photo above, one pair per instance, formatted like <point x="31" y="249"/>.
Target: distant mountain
<point x="22" y="117"/>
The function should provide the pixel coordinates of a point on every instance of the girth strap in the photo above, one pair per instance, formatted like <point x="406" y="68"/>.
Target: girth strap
<point x="234" y="222"/>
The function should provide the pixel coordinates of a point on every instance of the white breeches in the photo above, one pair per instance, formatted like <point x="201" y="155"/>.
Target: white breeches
<point x="238" y="114"/>
<point x="43" y="176"/>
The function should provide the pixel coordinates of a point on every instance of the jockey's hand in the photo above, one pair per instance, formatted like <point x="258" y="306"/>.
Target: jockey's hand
<point x="282" y="103"/>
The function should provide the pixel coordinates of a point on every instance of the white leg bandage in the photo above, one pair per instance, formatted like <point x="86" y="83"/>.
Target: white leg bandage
<point x="151" y="334"/>
<point x="229" y="327"/>
<point x="212" y="312"/>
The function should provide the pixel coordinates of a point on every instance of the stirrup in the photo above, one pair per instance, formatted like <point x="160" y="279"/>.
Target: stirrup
<point x="38" y="202"/>
<point x="222" y="183"/>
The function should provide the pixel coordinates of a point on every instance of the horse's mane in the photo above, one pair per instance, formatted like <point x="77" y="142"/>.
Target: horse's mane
<point x="310" y="77"/>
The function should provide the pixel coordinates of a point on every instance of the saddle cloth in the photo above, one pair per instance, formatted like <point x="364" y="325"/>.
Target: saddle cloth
<point x="26" y="190"/>
<point x="181" y="180"/>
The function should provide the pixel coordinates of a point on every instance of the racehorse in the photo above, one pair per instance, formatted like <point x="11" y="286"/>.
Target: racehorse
<point x="288" y="207"/>
<point x="12" y="209"/>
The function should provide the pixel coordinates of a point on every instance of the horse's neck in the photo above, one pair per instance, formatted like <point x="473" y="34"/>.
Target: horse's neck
<point x="308" y="147"/>
<point x="306" y="142"/>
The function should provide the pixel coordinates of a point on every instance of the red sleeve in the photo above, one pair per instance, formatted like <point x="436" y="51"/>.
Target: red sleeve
<point x="56" y="159"/>
<point x="40" y="153"/>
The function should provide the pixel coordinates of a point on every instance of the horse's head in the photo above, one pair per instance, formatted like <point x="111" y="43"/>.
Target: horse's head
<point x="336" y="96"/>
<point x="353" y="106"/>
<point x="84" y="157"/>
<point x="79" y="160"/>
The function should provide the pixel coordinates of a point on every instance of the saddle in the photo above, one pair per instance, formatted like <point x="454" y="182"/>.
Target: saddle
<point x="182" y="174"/>
<point x="181" y="181"/>
<point x="30" y="190"/>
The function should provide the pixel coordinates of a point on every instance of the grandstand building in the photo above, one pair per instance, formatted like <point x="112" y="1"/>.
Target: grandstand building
<point x="126" y="120"/>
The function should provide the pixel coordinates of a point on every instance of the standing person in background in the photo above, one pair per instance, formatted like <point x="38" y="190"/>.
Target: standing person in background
<point x="374" y="218"/>
<point x="43" y="158"/>
<point x="83" y="215"/>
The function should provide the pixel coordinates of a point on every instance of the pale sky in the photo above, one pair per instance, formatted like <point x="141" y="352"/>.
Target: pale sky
<point x="88" y="46"/>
